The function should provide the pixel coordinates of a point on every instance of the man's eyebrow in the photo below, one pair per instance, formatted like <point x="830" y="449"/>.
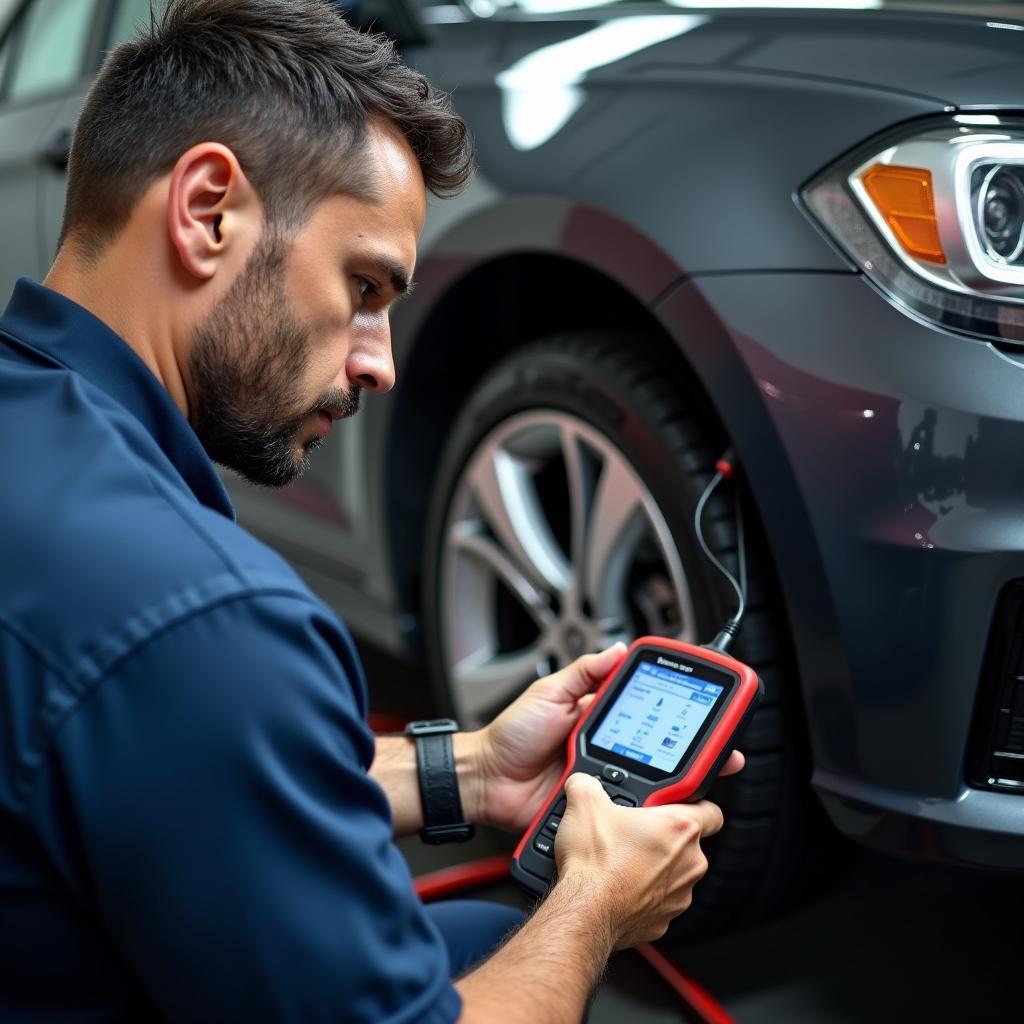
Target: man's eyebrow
<point x="399" y="278"/>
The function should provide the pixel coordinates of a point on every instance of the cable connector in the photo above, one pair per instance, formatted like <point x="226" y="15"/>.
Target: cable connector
<point x="726" y="465"/>
<point x="724" y="640"/>
<point x="725" y="469"/>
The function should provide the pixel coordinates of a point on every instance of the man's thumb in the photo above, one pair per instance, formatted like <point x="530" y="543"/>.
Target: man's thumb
<point x="601" y="663"/>
<point x="580" y="787"/>
<point x="588" y="671"/>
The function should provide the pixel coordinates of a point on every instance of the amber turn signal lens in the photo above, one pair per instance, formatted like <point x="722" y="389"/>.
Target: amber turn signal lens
<point x="903" y="196"/>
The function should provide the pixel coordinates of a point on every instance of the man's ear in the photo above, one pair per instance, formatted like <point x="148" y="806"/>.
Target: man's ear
<point x="212" y="208"/>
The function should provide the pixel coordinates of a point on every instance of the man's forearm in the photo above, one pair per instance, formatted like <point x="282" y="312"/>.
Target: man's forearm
<point x="546" y="972"/>
<point x="394" y="770"/>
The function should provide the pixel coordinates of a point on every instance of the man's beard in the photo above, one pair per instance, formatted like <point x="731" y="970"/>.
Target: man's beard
<point x="249" y="359"/>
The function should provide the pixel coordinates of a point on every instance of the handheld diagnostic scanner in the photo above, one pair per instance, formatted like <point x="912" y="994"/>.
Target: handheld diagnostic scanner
<point x="659" y="730"/>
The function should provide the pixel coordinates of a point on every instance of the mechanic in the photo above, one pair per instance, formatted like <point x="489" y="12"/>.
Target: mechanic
<point x="195" y="822"/>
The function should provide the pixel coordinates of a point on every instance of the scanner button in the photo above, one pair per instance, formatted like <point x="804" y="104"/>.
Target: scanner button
<point x="613" y="774"/>
<point x="551" y="825"/>
<point x="559" y="807"/>
<point x="544" y="845"/>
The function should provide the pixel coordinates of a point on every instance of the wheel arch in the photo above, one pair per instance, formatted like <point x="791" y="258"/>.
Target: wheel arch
<point x="476" y="323"/>
<point x="580" y="269"/>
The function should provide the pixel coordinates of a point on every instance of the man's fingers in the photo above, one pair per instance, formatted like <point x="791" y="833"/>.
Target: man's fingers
<point x="707" y="815"/>
<point x="584" y="702"/>
<point x="734" y="764"/>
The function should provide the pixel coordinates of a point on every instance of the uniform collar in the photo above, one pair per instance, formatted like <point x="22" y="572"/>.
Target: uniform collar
<point x="60" y="330"/>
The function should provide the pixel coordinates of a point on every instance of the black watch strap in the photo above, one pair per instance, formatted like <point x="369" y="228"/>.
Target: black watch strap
<point x="443" y="820"/>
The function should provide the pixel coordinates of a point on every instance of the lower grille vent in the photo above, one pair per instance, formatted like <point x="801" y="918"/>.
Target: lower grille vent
<point x="996" y="757"/>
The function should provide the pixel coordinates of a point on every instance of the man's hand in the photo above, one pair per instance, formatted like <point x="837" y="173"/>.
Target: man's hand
<point x="644" y="861"/>
<point x="522" y="751"/>
<point x="520" y="755"/>
<point x="623" y="874"/>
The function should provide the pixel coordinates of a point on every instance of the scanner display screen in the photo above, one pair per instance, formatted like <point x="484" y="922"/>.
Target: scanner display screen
<point x="657" y="716"/>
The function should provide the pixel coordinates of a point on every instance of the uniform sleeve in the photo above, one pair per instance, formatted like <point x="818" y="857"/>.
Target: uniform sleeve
<point x="240" y="855"/>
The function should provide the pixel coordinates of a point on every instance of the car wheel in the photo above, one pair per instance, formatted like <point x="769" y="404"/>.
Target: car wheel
<point x="562" y="521"/>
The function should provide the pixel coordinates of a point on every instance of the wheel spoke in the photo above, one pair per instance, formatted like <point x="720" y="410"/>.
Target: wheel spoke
<point x="504" y="489"/>
<point x="580" y="482"/>
<point x="617" y="503"/>
<point x="465" y="538"/>
<point x="486" y="681"/>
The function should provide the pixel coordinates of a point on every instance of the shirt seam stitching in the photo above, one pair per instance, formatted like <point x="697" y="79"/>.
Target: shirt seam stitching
<point x="82" y="687"/>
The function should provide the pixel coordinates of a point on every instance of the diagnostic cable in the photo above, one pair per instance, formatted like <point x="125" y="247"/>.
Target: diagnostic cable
<point x="661" y="725"/>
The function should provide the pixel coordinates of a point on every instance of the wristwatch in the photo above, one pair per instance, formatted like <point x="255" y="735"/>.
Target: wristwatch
<point x="443" y="821"/>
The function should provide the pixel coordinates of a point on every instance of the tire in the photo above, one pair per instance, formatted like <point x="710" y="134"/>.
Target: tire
<point x="606" y="390"/>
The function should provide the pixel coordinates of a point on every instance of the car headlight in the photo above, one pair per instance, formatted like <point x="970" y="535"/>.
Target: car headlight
<point x="934" y="216"/>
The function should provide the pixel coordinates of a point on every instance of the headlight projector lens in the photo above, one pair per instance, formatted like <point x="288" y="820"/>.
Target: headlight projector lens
<point x="1001" y="213"/>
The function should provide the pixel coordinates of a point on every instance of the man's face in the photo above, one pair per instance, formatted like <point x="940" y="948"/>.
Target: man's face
<point x="303" y="329"/>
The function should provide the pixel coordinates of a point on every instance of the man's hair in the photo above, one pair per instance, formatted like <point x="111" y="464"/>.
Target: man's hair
<point x="287" y="85"/>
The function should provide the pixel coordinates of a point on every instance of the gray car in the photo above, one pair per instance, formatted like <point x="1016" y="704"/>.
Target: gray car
<point x="792" y="230"/>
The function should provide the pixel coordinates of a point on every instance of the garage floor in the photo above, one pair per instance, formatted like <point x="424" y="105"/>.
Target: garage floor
<point x="891" y="941"/>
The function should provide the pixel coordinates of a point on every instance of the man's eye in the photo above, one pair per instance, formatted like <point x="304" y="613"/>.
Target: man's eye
<point x="366" y="288"/>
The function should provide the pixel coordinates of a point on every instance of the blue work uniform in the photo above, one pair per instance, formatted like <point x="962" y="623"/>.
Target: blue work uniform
<point x="187" y="828"/>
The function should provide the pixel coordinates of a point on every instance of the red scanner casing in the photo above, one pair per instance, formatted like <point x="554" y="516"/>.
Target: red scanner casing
<point x="693" y="778"/>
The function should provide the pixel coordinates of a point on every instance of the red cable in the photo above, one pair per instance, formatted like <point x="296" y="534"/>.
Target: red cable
<point x="696" y="997"/>
<point x="460" y="877"/>
<point x="384" y="721"/>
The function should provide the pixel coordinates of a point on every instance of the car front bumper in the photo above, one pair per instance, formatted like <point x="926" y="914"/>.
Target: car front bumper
<point x="886" y="457"/>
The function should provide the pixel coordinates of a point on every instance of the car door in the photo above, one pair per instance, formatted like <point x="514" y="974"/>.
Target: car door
<point x="45" y="56"/>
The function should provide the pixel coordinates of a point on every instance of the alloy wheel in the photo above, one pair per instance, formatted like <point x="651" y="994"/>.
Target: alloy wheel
<point x="554" y="546"/>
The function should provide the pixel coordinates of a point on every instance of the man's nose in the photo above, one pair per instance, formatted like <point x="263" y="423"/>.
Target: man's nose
<point x="370" y="366"/>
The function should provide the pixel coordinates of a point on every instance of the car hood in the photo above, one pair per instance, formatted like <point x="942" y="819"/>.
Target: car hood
<point x="963" y="60"/>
